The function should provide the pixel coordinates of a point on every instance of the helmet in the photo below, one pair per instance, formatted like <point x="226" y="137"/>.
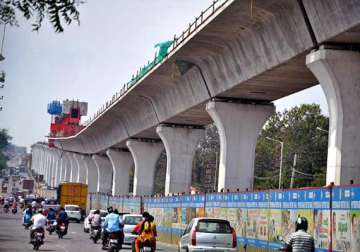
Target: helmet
<point x="301" y="224"/>
<point x="145" y="215"/>
<point x="97" y="211"/>
<point x="110" y="209"/>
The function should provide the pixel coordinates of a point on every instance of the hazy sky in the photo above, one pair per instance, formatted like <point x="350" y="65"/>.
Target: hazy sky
<point x="90" y="62"/>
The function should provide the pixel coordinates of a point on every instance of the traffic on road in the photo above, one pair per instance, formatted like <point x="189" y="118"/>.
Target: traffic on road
<point x="45" y="227"/>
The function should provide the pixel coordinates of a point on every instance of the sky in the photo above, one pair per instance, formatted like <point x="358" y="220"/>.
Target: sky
<point x="91" y="62"/>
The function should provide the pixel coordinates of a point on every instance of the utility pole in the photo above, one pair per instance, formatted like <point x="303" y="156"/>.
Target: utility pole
<point x="281" y="157"/>
<point x="293" y="171"/>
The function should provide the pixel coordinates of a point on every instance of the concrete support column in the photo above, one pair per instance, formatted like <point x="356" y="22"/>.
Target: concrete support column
<point x="338" y="72"/>
<point x="66" y="167"/>
<point x="55" y="161"/>
<point x="122" y="163"/>
<point x="82" y="175"/>
<point x="92" y="174"/>
<point x="47" y="167"/>
<point x="74" y="177"/>
<point x="180" y="145"/>
<point x="58" y="168"/>
<point x="145" y="156"/>
<point x="104" y="170"/>
<point x="238" y="126"/>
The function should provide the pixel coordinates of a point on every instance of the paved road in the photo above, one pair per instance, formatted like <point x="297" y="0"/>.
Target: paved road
<point x="13" y="237"/>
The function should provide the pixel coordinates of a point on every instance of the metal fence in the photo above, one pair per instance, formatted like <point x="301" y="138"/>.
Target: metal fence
<point x="260" y="217"/>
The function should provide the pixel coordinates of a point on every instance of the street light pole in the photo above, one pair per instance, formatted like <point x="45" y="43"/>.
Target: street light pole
<point x="281" y="157"/>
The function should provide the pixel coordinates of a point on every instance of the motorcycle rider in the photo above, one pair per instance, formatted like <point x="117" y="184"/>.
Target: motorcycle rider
<point x="39" y="224"/>
<point x="113" y="224"/>
<point x="300" y="240"/>
<point x="146" y="230"/>
<point x="14" y="206"/>
<point x="62" y="218"/>
<point x="27" y="216"/>
<point x="51" y="216"/>
<point x="95" y="220"/>
<point x="6" y="205"/>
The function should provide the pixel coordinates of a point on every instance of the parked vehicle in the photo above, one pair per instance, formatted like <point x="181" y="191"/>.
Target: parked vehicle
<point x="130" y="221"/>
<point x="208" y="234"/>
<point x="73" y="212"/>
<point x="103" y="214"/>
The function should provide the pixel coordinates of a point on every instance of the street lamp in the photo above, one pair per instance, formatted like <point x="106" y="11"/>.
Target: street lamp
<point x="281" y="156"/>
<point x="322" y="130"/>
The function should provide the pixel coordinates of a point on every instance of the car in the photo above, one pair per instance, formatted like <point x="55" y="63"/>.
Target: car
<point x="208" y="234"/>
<point x="73" y="212"/>
<point x="130" y="221"/>
<point x="103" y="214"/>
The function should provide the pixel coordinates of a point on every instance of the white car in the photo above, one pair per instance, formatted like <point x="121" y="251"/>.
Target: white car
<point x="73" y="212"/>
<point x="130" y="221"/>
<point x="103" y="214"/>
<point x="208" y="234"/>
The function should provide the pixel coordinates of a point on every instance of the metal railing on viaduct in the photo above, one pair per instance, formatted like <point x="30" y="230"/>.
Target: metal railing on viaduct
<point x="259" y="217"/>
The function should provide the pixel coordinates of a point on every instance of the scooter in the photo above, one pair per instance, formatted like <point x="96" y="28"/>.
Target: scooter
<point x="95" y="234"/>
<point x="52" y="224"/>
<point x="113" y="243"/>
<point x="147" y="246"/>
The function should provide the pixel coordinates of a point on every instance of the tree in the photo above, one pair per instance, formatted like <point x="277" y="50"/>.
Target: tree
<point x="297" y="129"/>
<point x="4" y="141"/>
<point x="57" y="11"/>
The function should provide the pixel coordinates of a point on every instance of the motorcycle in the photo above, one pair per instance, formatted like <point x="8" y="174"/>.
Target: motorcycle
<point x="6" y="209"/>
<point x="284" y="247"/>
<point x="14" y="210"/>
<point x="38" y="239"/>
<point x="52" y="224"/>
<point x="61" y="231"/>
<point x="95" y="234"/>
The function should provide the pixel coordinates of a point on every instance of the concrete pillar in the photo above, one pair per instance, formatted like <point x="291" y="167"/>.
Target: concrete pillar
<point x="47" y="167"/>
<point x="238" y="126"/>
<point x="338" y="72"/>
<point x="82" y="175"/>
<point x="66" y="166"/>
<point x="54" y="165"/>
<point x="180" y="145"/>
<point x="122" y="163"/>
<point x="58" y="168"/>
<point x="104" y="169"/>
<point x="145" y="156"/>
<point x="92" y="174"/>
<point x="74" y="177"/>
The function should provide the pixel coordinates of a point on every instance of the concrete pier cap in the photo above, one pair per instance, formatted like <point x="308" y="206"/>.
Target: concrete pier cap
<point x="145" y="155"/>
<point x="338" y="72"/>
<point x="180" y="143"/>
<point x="238" y="125"/>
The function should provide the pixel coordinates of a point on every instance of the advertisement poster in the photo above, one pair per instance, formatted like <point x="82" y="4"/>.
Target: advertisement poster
<point x="262" y="225"/>
<point x="341" y="230"/>
<point x="275" y="227"/>
<point x="321" y="228"/>
<point x="252" y="222"/>
<point x="288" y="218"/>
<point x="309" y="215"/>
<point x="355" y="230"/>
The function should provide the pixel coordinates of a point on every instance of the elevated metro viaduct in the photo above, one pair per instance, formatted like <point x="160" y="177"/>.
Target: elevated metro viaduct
<point x="226" y="69"/>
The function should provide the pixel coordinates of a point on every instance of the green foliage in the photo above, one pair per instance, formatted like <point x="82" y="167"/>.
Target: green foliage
<point x="297" y="129"/>
<point x="4" y="141"/>
<point x="57" y="12"/>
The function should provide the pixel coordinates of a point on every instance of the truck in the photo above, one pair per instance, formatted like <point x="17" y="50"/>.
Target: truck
<point x="28" y="184"/>
<point x="72" y="194"/>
